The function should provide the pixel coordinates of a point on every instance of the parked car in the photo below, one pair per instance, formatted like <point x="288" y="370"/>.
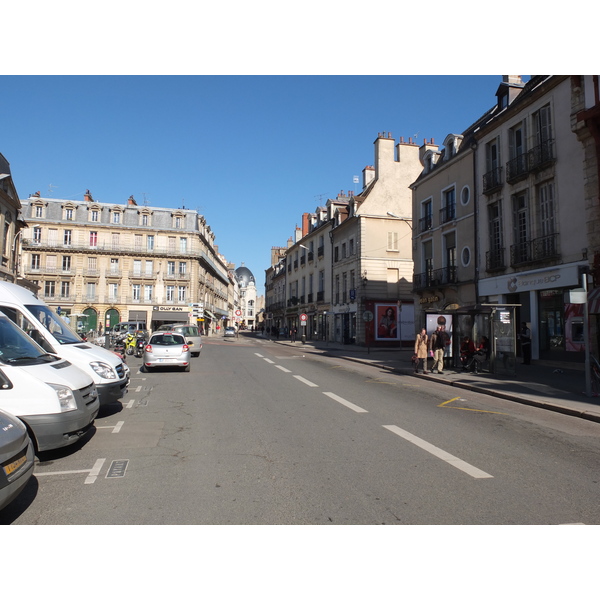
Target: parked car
<point x="16" y="458"/>
<point x="191" y="333"/>
<point x="57" y="401"/>
<point x="166" y="349"/>
<point x="230" y="332"/>
<point x="55" y="336"/>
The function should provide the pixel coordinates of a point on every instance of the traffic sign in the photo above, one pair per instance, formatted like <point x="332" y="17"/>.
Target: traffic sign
<point x="303" y="317"/>
<point x="238" y="313"/>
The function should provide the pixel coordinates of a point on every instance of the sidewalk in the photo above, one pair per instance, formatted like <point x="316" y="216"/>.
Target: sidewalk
<point x="543" y="385"/>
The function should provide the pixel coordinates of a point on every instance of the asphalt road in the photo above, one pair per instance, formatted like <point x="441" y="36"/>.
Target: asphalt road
<point x="258" y="433"/>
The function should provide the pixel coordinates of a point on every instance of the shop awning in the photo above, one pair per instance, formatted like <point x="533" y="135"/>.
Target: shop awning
<point x="210" y="315"/>
<point x="594" y="301"/>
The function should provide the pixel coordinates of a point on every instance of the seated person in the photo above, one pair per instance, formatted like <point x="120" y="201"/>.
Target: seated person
<point x="467" y="351"/>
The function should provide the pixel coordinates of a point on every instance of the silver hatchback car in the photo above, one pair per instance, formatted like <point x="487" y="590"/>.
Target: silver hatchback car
<point x="166" y="349"/>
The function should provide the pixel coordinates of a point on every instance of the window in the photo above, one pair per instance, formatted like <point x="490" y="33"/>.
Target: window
<point x="428" y="260"/>
<point x="351" y="248"/>
<point x="170" y="293"/>
<point x="521" y="228"/>
<point x="50" y="263"/>
<point x="344" y="250"/>
<point x="183" y="245"/>
<point x="465" y="256"/>
<point x="37" y="235"/>
<point x="93" y="239"/>
<point x="181" y="293"/>
<point x="91" y="290"/>
<point x="426" y="220"/>
<point x="492" y="178"/>
<point x="496" y="241"/>
<point x="49" y="289"/>
<point x="547" y="223"/>
<point x="172" y="241"/>
<point x="449" y="210"/>
<point x="66" y="263"/>
<point x="116" y="241"/>
<point x="150" y="242"/>
<point x="450" y="259"/>
<point x="392" y="241"/>
<point x="116" y="217"/>
<point x="137" y="267"/>
<point x="38" y="211"/>
<point x="68" y="214"/>
<point x="137" y="242"/>
<point x="171" y="267"/>
<point x="94" y="216"/>
<point x="177" y="222"/>
<point x="136" y="289"/>
<point x="67" y="237"/>
<point x="182" y="268"/>
<point x="92" y="264"/>
<point x="35" y="262"/>
<point x="336" y="253"/>
<point x="114" y="266"/>
<point x="113" y="292"/>
<point x="465" y="195"/>
<point x="147" y="293"/>
<point x="149" y="267"/>
<point x="145" y="220"/>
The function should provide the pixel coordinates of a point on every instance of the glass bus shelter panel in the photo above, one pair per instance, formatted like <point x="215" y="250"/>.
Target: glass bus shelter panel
<point x="503" y="359"/>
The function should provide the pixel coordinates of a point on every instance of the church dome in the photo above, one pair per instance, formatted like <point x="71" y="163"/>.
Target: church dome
<point x="244" y="276"/>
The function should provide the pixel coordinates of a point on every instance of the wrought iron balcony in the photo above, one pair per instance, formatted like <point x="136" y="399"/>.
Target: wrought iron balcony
<point x="492" y="180"/>
<point x="517" y="168"/>
<point x="425" y="223"/>
<point x="494" y="260"/>
<point x="537" y="250"/>
<point x="541" y="156"/>
<point x="448" y="213"/>
<point x="435" y="278"/>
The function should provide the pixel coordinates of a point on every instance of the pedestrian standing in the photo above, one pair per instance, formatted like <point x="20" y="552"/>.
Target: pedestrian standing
<point x="293" y="333"/>
<point x="421" y="348"/>
<point x="525" y="339"/>
<point x="438" y="346"/>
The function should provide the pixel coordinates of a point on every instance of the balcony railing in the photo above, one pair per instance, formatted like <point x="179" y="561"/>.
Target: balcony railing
<point x="541" y="156"/>
<point x="517" y="168"/>
<point x="320" y="296"/>
<point x="435" y="278"/>
<point x="320" y="251"/>
<point x="425" y="223"/>
<point x="311" y="255"/>
<point x="540" y="249"/>
<point x="494" y="260"/>
<point x="492" y="180"/>
<point x="448" y="213"/>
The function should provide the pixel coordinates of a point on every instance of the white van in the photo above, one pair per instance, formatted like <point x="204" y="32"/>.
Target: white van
<point x="57" y="401"/>
<point x="107" y="370"/>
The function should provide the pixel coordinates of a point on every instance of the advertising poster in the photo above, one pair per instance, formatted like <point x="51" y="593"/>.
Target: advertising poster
<point x="386" y="322"/>
<point x="443" y="321"/>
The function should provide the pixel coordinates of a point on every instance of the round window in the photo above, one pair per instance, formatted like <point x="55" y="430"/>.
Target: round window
<point x="466" y="256"/>
<point x="465" y="195"/>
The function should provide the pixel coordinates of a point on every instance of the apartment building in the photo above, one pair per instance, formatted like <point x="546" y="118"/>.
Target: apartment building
<point x="308" y="276"/>
<point x="531" y="217"/>
<point x="372" y="273"/>
<point x="11" y="223"/>
<point x="101" y="263"/>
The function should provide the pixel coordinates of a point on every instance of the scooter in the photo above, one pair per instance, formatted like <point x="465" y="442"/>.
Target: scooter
<point x="139" y="347"/>
<point x="130" y="344"/>
<point x="119" y="347"/>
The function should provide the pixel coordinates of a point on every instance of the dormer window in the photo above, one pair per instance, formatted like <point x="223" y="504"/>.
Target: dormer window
<point x="452" y="145"/>
<point x="430" y="159"/>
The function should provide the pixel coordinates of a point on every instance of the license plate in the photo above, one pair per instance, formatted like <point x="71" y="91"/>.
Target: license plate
<point x="13" y="466"/>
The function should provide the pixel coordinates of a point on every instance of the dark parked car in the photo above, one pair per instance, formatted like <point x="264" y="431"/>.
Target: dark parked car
<point x="16" y="458"/>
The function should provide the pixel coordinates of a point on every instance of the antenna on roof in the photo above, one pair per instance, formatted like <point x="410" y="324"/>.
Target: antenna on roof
<point x="319" y="196"/>
<point x="50" y="186"/>
<point x="145" y="199"/>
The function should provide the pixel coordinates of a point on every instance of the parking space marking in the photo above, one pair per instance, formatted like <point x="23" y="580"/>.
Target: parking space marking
<point x="138" y="388"/>
<point x="341" y="400"/>
<point x="116" y="428"/>
<point x="92" y="473"/>
<point x="130" y="404"/>
<point x="439" y="453"/>
<point x="306" y="381"/>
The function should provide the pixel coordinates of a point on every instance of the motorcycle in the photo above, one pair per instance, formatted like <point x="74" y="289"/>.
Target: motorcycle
<point x="139" y="347"/>
<point x="130" y="344"/>
<point x="119" y="347"/>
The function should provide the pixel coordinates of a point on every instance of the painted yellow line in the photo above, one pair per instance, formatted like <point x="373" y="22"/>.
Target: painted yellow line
<point x="443" y="405"/>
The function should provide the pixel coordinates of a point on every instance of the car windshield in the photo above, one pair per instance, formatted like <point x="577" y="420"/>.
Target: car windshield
<point x="17" y="346"/>
<point x="54" y="324"/>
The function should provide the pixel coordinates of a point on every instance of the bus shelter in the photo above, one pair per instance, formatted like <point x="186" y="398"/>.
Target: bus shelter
<point x="494" y="323"/>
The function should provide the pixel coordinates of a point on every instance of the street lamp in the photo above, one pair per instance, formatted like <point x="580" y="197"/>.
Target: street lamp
<point x="407" y="221"/>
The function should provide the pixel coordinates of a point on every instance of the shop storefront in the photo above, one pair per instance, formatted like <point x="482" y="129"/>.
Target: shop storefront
<point x="165" y="315"/>
<point x="556" y="325"/>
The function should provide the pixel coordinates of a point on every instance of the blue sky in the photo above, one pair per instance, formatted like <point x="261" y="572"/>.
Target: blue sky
<point x="251" y="153"/>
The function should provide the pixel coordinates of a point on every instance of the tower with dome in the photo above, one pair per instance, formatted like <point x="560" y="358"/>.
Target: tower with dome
<point x="247" y="285"/>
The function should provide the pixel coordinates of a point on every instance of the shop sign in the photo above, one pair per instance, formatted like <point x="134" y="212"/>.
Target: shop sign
<point x="181" y="309"/>
<point x="429" y="299"/>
